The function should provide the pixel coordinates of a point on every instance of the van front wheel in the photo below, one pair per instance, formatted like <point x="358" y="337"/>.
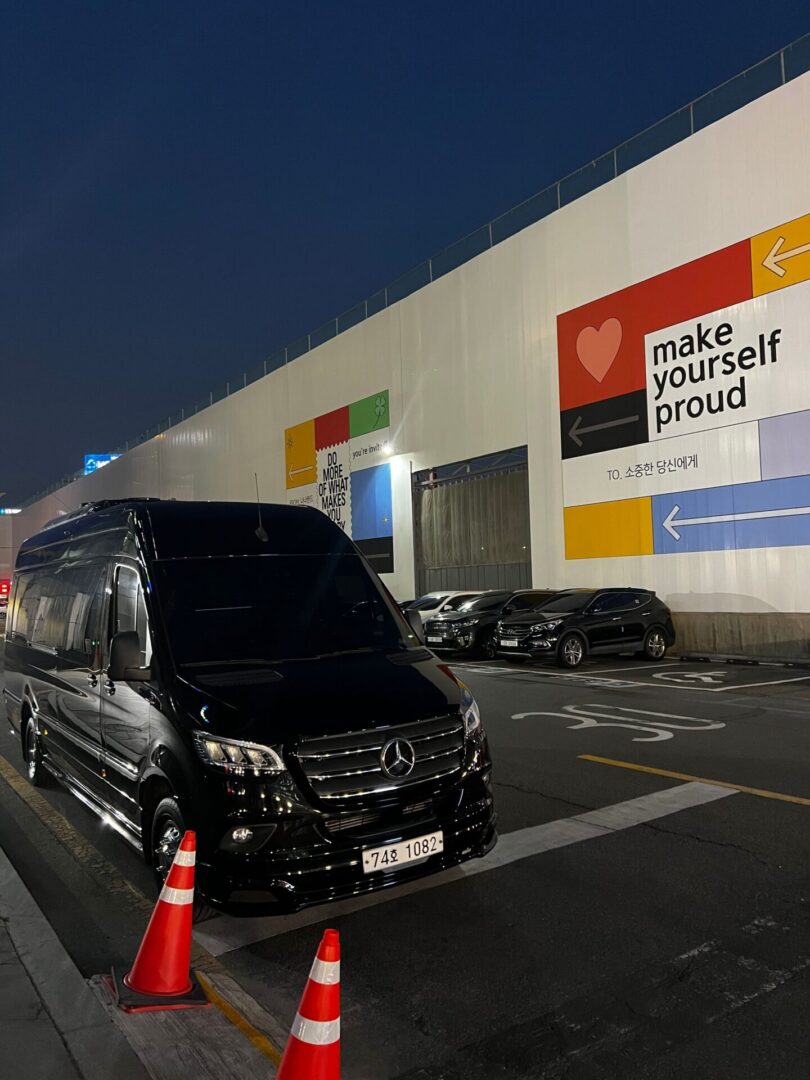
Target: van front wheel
<point x="168" y="828"/>
<point x="32" y="752"/>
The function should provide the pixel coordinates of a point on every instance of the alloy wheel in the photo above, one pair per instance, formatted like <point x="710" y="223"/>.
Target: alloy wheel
<point x="572" y="651"/>
<point x="166" y="845"/>
<point x="656" y="645"/>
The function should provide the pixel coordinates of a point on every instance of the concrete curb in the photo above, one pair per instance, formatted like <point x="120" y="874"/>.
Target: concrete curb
<point x="98" y="1049"/>
<point x="742" y="660"/>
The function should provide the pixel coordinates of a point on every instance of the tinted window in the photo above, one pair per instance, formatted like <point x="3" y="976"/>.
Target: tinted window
<point x="456" y="602"/>
<point x="424" y="603"/>
<point x="130" y="610"/>
<point x="273" y="608"/>
<point x="524" y="602"/>
<point x="62" y="611"/>
<point x="485" y="602"/>
<point x="618" y="601"/>
<point x="572" y="601"/>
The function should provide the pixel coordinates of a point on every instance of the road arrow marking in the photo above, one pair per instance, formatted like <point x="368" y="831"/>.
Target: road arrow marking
<point x="577" y="429"/>
<point x="304" y="468"/>
<point x="672" y="525"/>
<point x="775" y="257"/>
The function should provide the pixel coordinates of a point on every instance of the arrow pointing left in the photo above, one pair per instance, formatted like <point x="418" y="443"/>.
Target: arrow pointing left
<point x="672" y="522"/>
<point x="576" y="428"/>
<point x="775" y="257"/>
<point x="303" y="468"/>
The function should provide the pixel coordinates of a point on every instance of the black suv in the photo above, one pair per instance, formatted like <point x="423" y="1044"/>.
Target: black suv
<point x="582" y="621"/>
<point x="471" y="629"/>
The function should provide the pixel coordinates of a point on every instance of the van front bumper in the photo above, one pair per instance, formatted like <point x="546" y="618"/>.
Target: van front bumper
<point x="277" y="881"/>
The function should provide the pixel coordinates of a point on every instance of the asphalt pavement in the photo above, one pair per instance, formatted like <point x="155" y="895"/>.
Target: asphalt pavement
<point x="646" y="912"/>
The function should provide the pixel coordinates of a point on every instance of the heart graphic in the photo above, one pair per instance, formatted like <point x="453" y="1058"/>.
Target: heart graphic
<point x="597" y="349"/>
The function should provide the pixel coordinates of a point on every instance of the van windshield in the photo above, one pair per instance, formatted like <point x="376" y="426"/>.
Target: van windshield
<point x="272" y="608"/>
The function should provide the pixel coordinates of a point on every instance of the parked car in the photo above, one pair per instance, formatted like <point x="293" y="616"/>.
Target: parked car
<point x="172" y="675"/>
<point x="471" y="629"/>
<point x="579" y="622"/>
<point x="433" y="603"/>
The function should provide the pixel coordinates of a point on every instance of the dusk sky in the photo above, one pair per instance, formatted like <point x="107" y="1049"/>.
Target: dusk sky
<point x="184" y="188"/>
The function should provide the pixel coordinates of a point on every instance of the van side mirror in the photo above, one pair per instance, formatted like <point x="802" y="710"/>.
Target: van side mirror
<point x="414" y="620"/>
<point x="125" y="659"/>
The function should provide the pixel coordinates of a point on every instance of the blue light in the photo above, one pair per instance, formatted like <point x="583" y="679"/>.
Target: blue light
<point x="94" y="462"/>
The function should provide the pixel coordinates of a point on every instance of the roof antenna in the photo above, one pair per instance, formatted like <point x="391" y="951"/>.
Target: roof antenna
<point x="261" y="532"/>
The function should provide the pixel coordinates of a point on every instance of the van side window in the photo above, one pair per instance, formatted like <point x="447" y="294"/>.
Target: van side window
<point x="83" y="630"/>
<point x="61" y="612"/>
<point x="130" y="610"/>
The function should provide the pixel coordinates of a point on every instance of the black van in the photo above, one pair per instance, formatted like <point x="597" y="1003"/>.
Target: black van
<point x="241" y="671"/>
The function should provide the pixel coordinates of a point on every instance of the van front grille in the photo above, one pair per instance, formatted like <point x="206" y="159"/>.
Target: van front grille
<point x="348" y="766"/>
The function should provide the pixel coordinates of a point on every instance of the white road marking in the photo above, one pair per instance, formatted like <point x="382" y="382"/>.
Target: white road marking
<point x="690" y="678"/>
<point x="595" y="679"/>
<point x="225" y="934"/>
<point x="659" y="726"/>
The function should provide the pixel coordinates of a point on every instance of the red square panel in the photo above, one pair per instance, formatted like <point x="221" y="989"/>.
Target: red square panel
<point x="332" y="428"/>
<point x="601" y="345"/>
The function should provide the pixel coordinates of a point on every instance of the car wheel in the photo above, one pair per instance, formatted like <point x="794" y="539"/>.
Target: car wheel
<point x="32" y="753"/>
<point x="571" y="651"/>
<point x="168" y="827"/>
<point x="655" y="644"/>
<point x="486" y="646"/>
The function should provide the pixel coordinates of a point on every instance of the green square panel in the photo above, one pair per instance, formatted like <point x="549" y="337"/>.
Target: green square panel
<point x="369" y="414"/>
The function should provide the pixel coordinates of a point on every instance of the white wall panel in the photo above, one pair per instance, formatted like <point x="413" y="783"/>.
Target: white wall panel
<point x="471" y="363"/>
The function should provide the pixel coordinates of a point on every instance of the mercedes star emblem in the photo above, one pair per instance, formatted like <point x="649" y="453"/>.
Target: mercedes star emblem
<point x="397" y="758"/>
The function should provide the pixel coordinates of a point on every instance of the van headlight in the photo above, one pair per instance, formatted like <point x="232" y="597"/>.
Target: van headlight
<point x="470" y="712"/>
<point x="233" y="754"/>
<point x="544" y="627"/>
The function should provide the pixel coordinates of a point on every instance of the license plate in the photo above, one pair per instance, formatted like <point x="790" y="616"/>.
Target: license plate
<point x="435" y="639"/>
<point x="509" y="642"/>
<point x="407" y="851"/>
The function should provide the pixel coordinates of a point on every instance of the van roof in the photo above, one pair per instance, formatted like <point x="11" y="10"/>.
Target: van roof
<point x="173" y="529"/>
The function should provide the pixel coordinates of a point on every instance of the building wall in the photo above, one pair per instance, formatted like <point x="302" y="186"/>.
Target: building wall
<point x="472" y="366"/>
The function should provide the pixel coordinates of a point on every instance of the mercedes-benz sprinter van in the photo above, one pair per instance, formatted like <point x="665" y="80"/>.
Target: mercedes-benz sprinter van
<point x="240" y="670"/>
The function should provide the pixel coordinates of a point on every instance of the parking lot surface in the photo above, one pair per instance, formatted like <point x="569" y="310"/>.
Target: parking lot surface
<point x="646" y="912"/>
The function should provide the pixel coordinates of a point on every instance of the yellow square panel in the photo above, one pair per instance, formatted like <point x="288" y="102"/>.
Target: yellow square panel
<point x="606" y="530"/>
<point x="781" y="256"/>
<point x="300" y="459"/>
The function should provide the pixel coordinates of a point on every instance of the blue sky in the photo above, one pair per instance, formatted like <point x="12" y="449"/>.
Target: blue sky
<point x="185" y="188"/>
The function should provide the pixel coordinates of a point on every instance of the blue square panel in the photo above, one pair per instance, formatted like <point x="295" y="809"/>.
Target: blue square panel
<point x="371" y="503"/>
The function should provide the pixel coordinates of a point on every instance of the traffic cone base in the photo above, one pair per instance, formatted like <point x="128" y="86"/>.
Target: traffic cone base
<point x="132" y="1001"/>
<point x="160" y="977"/>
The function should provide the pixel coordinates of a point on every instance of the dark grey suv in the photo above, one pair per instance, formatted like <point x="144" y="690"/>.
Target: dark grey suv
<point x="582" y="621"/>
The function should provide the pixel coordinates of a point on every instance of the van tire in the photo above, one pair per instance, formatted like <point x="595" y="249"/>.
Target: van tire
<point x="168" y="827"/>
<point x="32" y="754"/>
<point x="571" y="650"/>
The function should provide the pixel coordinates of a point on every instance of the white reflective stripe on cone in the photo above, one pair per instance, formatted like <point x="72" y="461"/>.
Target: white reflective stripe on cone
<point x="185" y="858"/>
<point x="315" y="1032"/>
<point x="176" y="896"/>
<point x="325" y="972"/>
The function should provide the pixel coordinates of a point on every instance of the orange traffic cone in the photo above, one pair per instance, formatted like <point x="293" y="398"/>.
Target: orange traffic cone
<point x="313" y="1049"/>
<point x="160" y="976"/>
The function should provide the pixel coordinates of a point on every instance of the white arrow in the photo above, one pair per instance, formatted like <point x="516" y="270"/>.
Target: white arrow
<point x="775" y="257"/>
<point x="672" y="526"/>
<point x="304" y="468"/>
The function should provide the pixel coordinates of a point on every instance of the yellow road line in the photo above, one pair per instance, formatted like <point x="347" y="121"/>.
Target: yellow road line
<point x="84" y="853"/>
<point x="762" y="793"/>
<point x="259" y="1040"/>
